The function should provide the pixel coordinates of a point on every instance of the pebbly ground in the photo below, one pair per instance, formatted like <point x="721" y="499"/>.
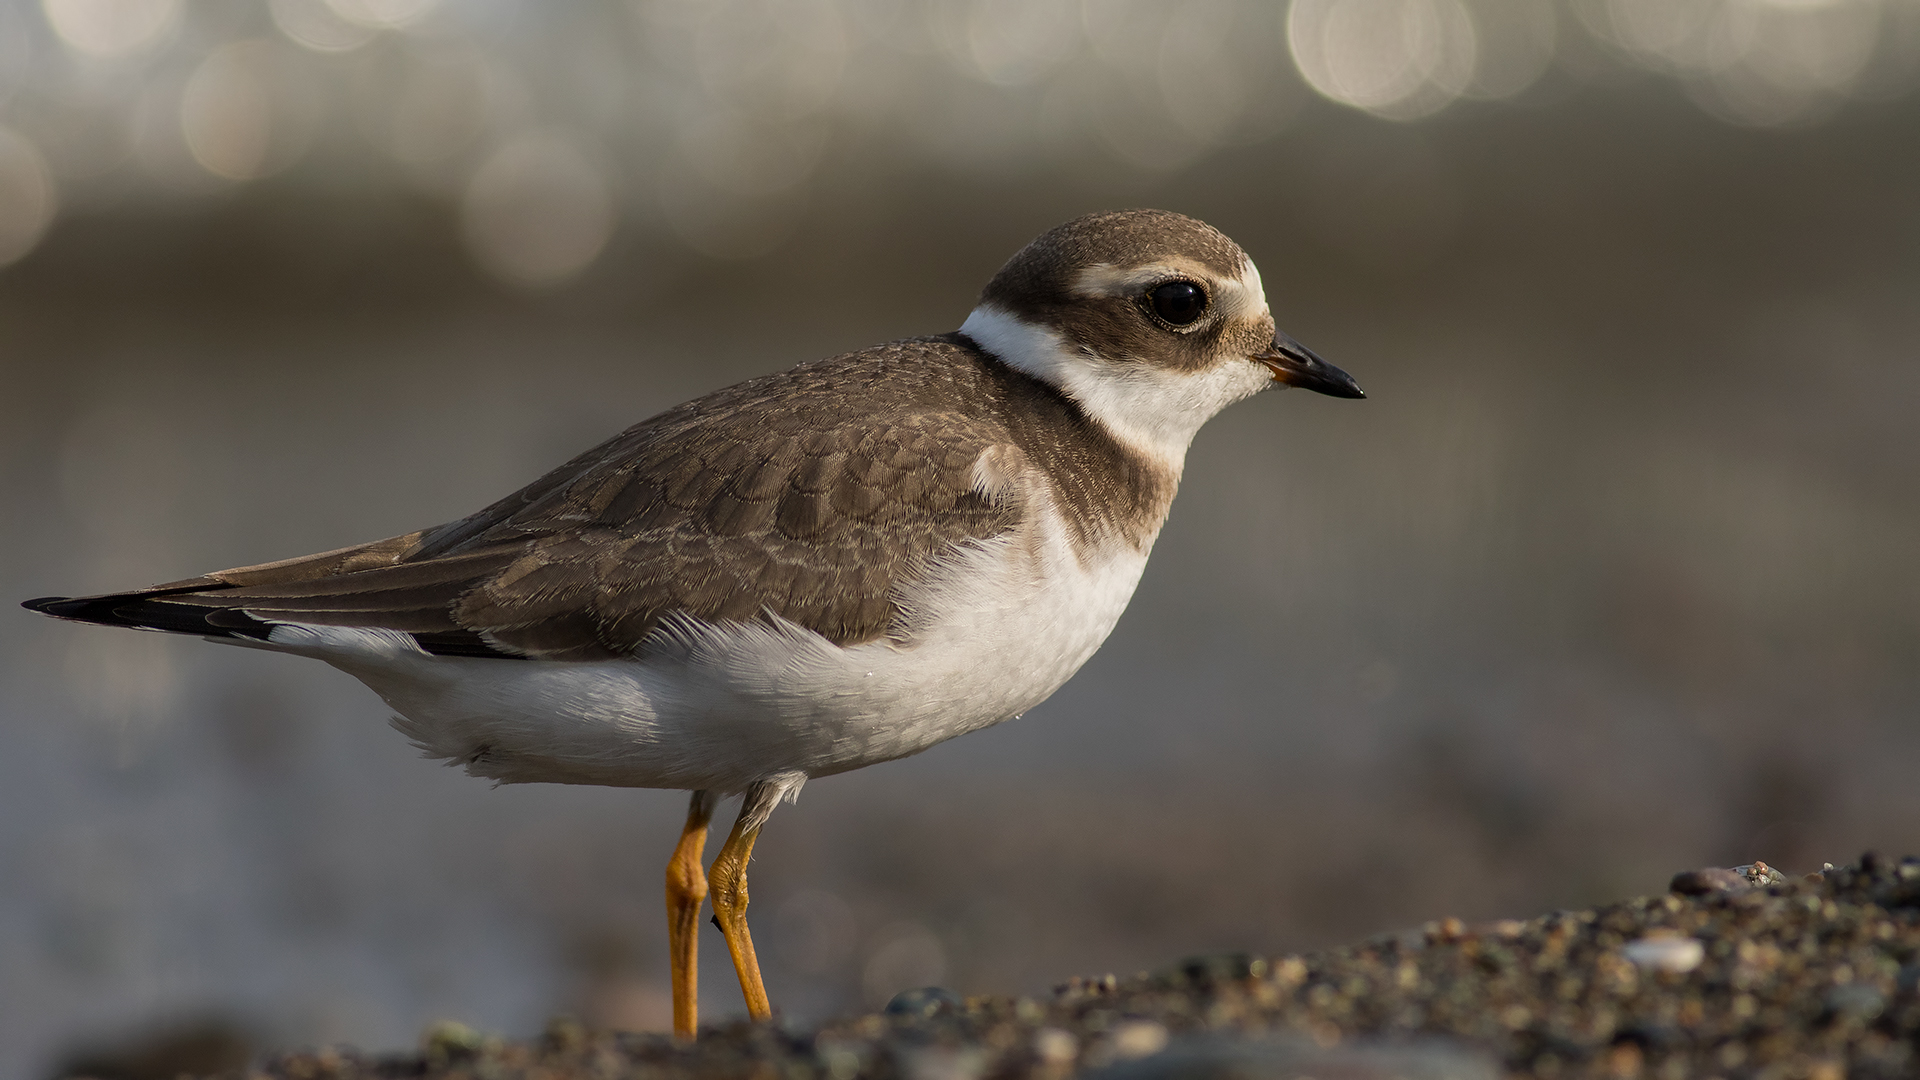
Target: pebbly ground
<point x="1734" y="974"/>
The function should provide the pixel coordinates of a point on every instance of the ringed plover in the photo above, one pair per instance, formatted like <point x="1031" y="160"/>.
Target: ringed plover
<point x="810" y="572"/>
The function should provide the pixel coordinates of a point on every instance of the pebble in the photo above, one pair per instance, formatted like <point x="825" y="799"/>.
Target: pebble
<point x="1138" y="1038"/>
<point x="1054" y="1046"/>
<point x="1677" y="955"/>
<point x="924" y="1002"/>
<point x="1760" y="875"/>
<point x="1815" y="978"/>
<point x="1713" y="879"/>
<point x="1221" y="967"/>
<point x="1297" y="1059"/>
<point x="943" y="1063"/>
<point x="1855" y="1002"/>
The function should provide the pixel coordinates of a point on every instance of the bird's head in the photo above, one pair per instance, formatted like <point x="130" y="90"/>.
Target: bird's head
<point x="1152" y="321"/>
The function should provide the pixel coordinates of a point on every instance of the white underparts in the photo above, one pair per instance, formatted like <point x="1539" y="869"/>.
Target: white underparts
<point x="992" y="630"/>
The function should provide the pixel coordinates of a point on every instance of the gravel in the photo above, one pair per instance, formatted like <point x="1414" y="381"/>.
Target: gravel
<point x="1737" y="973"/>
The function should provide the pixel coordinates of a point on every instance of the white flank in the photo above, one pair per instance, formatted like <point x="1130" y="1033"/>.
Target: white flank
<point x="992" y="631"/>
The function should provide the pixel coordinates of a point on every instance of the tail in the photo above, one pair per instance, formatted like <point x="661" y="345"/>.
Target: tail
<point x="150" y="609"/>
<point x="368" y="586"/>
<point x="198" y="607"/>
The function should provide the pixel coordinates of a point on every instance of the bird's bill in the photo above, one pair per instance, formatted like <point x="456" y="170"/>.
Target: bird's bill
<point x="1296" y="365"/>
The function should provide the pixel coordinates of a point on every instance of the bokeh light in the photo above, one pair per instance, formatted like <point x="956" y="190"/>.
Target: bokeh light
<point x="248" y="110"/>
<point x="16" y="50"/>
<point x="113" y="28"/>
<point x="1402" y="59"/>
<point x="1010" y="42"/>
<point x="1755" y="62"/>
<point x="537" y="212"/>
<point x="315" y="24"/>
<point x="382" y="14"/>
<point x="905" y="955"/>
<point x="1514" y="43"/>
<point x="1165" y="83"/>
<point x="446" y="101"/>
<point x="27" y="198"/>
<point x="716" y="121"/>
<point x="779" y="59"/>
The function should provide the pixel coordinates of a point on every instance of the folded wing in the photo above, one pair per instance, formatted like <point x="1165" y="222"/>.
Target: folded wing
<point x="811" y="494"/>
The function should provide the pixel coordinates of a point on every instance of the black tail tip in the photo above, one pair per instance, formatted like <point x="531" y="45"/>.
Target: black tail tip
<point x="60" y="607"/>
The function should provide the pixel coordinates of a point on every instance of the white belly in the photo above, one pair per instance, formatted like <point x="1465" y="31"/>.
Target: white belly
<point x="995" y="632"/>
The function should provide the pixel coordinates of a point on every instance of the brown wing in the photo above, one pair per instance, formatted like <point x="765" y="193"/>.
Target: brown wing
<point x="810" y="494"/>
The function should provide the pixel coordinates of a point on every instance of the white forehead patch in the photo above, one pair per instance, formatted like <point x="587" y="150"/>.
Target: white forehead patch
<point x="1255" y="291"/>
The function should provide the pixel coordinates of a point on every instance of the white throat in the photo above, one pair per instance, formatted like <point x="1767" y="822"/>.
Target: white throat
<point x="1149" y="408"/>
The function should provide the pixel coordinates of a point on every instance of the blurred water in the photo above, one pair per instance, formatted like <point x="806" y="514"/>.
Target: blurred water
<point x="721" y="121"/>
<point x="1612" y="576"/>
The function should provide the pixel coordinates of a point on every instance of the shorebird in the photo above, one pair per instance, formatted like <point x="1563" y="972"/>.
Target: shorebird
<point x="809" y="572"/>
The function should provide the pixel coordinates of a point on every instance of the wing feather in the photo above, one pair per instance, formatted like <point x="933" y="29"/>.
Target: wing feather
<point x="813" y="494"/>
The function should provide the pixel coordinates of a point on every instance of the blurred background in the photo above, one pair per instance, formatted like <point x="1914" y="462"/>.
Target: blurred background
<point x="1614" y="575"/>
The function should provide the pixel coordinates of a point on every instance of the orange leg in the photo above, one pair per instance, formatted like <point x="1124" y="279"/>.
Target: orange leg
<point x="686" y="888"/>
<point x="729" y="878"/>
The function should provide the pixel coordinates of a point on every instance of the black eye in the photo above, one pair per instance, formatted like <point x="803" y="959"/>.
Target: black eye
<point x="1178" y="302"/>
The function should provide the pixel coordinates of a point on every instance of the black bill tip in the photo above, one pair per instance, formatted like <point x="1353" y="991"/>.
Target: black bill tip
<point x="1296" y="365"/>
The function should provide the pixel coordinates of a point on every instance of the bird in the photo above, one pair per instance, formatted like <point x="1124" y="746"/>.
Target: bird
<point x="813" y="571"/>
